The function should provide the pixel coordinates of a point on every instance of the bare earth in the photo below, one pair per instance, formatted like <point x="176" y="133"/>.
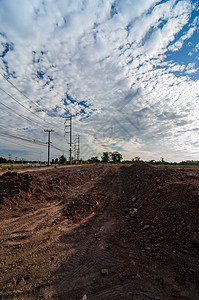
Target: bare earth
<point x="100" y="232"/>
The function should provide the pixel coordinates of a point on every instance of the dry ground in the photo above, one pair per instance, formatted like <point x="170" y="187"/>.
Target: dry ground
<point x="100" y="232"/>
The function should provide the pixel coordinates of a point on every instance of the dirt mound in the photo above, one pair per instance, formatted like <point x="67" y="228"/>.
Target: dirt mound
<point x="161" y="206"/>
<point x="69" y="177"/>
<point x="21" y="191"/>
<point x="17" y="190"/>
<point x="82" y="206"/>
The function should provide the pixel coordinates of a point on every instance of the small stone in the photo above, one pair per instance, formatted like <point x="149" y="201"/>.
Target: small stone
<point x="146" y="227"/>
<point x="104" y="272"/>
<point x="84" y="297"/>
<point x="148" y="248"/>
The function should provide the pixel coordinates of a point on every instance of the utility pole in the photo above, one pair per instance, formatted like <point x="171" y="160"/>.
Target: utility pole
<point x="75" y="150"/>
<point x="49" y="131"/>
<point x="70" y="137"/>
<point x="78" y="149"/>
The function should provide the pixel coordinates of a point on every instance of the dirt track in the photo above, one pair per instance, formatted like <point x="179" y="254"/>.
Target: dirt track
<point x="100" y="232"/>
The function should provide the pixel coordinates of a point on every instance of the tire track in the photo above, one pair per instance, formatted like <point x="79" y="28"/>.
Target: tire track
<point x="123" y="291"/>
<point x="28" y="222"/>
<point x="130" y="290"/>
<point x="75" y="262"/>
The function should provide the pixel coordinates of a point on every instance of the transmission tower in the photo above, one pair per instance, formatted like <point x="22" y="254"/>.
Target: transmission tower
<point x="76" y="148"/>
<point x="69" y="126"/>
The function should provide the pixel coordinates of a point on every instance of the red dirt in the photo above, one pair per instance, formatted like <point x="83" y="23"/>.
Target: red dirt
<point x="100" y="232"/>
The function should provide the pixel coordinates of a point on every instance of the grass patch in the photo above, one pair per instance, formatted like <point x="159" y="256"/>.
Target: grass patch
<point x="50" y="236"/>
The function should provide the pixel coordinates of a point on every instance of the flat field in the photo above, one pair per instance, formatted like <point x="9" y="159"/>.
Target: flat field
<point x="100" y="232"/>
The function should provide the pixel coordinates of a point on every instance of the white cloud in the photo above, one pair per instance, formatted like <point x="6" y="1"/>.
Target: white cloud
<point x="105" y="53"/>
<point x="178" y="45"/>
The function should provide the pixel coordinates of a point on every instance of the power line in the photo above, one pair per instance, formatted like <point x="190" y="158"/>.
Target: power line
<point x="15" y="131"/>
<point x="21" y="91"/>
<point x="33" y="140"/>
<point x="26" y="108"/>
<point x="29" y="120"/>
<point x="22" y="104"/>
<point x="21" y="144"/>
<point x="1" y="125"/>
<point x="6" y="127"/>
<point x="57" y="148"/>
<point x="23" y="139"/>
<point x="39" y="143"/>
<point x="26" y="98"/>
<point x="22" y="116"/>
<point x="31" y="147"/>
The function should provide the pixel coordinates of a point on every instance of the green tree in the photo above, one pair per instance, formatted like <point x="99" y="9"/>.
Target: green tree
<point x="152" y="162"/>
<point x="137" y="159"/>
<point x="105" y="157"/>
<point x="62" y="160"/>
<point x="162" y="160"/>
<point x="3" y="160"/>
<point x="116" y="157"/>
<point x="93" y="159"/>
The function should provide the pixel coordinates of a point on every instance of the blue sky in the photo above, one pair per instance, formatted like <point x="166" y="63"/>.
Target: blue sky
<point x="126" y="70"/>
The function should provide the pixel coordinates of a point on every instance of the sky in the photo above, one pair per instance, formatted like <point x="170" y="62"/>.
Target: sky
<point x="125" y="70"/>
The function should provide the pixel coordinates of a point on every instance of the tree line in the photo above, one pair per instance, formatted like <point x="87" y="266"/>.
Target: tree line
<point x="107" y="157"/>
<point x="114" y="157"/>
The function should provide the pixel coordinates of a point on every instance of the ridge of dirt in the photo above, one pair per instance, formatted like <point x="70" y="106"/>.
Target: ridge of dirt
<point x="100" y="232"/>
<point x="162" y="206"/>
<point x="22" y="192"/>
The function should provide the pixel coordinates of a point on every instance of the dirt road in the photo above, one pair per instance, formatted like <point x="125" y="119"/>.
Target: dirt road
<point x="100" y="232"/>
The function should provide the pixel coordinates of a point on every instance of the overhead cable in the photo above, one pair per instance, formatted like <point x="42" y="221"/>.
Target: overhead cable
<point x="26" y="97"/>
<point x="20" y="91"/>
<point x="27" y="119"/>
<point x="22" y="104"/>
<point x="23" y="139"/>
